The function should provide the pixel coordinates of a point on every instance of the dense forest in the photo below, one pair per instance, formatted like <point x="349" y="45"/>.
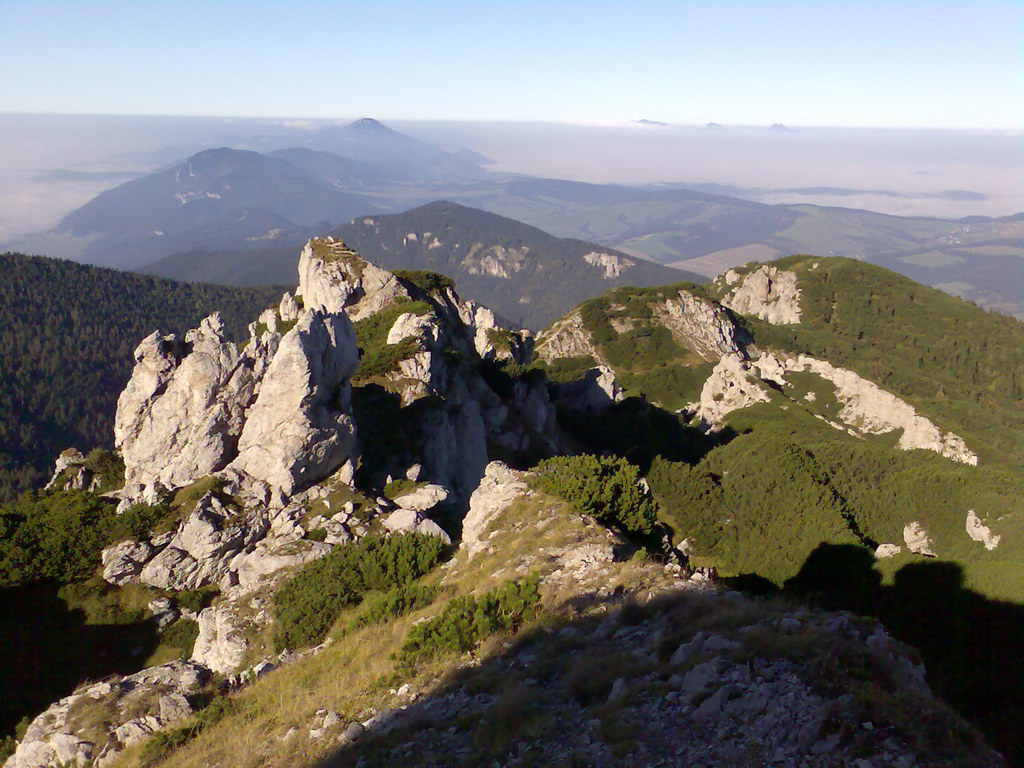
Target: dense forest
<point x="66" y="351"/>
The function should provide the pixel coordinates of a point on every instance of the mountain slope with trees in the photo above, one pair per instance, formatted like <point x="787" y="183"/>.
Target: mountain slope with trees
<point x="66" y="350"/>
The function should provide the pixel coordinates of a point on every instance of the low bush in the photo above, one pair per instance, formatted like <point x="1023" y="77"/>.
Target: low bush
<point x="309" y="603"/>
<point x="182" y="635"/>
<point x="58" y="536"/>
<point x="607" y="487"/>
<point x="394" y="603"/>
<point x="467" y="620"/>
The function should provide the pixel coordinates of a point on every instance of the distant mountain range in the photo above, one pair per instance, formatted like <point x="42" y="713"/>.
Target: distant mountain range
<point x="237" y="200"/>
<point x="525" y="274"/>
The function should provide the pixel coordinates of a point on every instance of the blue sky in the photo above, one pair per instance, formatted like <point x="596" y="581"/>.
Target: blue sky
<point x="861" y="63"/>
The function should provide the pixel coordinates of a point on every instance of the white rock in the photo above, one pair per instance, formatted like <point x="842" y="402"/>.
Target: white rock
<point x="887" y="550"/>
<point x="498" y="488"/>
<point x="980" y="532"/>
<point x="917" y="539"/>
<point x="179" y="416"/>
<point x="271" y="555"/>
<point x="409" y="324"/>
<point x="701" y="325"/>
<point x="221" y="644"/>
<point x="769" y="293"/>
<point x="730" y="387"/>
<point x="871" y="409"/>
<point x="422" y="498"/>
<point x="298" y="430"/>
<point x="123" y="562"/>
<point x="335" y="279"/>
<point x="611" y="264"/>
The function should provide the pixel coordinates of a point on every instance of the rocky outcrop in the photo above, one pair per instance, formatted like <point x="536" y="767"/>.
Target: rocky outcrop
<point x="334" y="279"/>
<point x="422" y="498"/>
<point x="611" y="264"/>
<point x="221" y="644"/>
<point x="299" y="429"/>
<point x="71" y="472"/>
<point x="182" y="411"/>
<point x="730" y="386"/>
<point x="917" y="539"/>
<point x="870" y="409"/>
<point x="99" y="720"/>
<point x="197" y="551"/>
<point x="567" y="337"/>
<point x="767" y="292"/>
<point x="594" y="392"/>
<point x="980" y="532"/>
<point x="701" y="325"/>
<point x="247" y="569"/>
<point x="411" y="521"/>
<point x="499" y="487"/>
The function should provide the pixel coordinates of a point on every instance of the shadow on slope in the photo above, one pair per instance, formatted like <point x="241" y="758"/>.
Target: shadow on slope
<point x="972" y="647"/>
<point x="46" y="651"/>
<point x="596" y="690"/>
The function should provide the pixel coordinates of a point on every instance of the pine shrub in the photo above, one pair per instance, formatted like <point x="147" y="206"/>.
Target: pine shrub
<point x="608" y="488"/>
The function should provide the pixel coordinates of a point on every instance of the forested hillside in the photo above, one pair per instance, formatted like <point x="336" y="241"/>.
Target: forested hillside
<point x="66" y="350"/>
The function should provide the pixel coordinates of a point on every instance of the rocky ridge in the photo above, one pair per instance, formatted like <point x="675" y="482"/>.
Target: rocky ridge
<point x="268" y="458"/>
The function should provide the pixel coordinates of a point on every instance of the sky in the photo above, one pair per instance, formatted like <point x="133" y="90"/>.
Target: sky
<point x="900" y="64"/>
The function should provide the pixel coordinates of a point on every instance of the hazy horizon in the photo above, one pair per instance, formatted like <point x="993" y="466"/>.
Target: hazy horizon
<point x="52" y="164"/>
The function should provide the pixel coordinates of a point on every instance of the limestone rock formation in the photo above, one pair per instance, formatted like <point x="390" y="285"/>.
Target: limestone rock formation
<point x="182" y="411"/>
<point x="871" y="409"/>
<point x="596" y="391"/>
<point x="917" y="539"/>
<point x="499" y="487"/>
<point x="768" y="292"/>
<point x="612" y="265"/>
<point x="335" y="279"/>
<point x="729" y="387"/>
<point x="702" y="326"/>
<point x="66" y="733"/>
<point x="299" y="430"/>
<point x="980" y="532"/>
<point x="568" y="337"/>
<point x="221" y="644"/>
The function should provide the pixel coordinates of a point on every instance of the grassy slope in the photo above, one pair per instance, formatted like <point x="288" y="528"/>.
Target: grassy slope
<point x="788" y="482"/>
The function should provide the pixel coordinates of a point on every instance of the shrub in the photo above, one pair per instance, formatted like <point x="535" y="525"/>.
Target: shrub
<point x="196" y="599"/>
<point x="607" y="487"/>
<point x="376" y="356"/>
<point x="309" y="603"/>
<point x="59" y="535"/>
<point x="182" y="635"/>
<point x="425" y="280"/>
<point x="467" y="620"/>
<point x="395" y="602"/>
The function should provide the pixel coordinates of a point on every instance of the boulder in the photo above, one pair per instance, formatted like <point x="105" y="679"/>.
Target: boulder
<point x="271" y="555"/>
<point x="917" y="539"/>
<point x="221" y="644"/>
<point x="124" y="561"/>
<point x="498" y="488"/>
<point x="422" y="498"/>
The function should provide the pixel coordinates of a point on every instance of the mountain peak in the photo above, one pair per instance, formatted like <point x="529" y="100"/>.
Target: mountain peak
<point x="369" y="124"/>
